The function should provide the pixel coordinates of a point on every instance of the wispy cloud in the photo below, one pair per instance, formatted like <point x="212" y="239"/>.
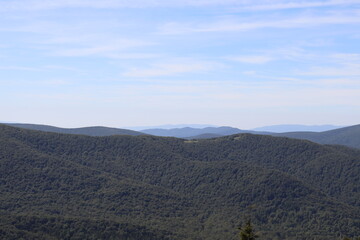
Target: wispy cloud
<point x="172" y="68"/>
<point x="43" y="68"/>
<point x="63" y="68"/>
<point x="345" y="57"/>
<point x="54" y="4"/>
<point x="346" y="70"/>
<point x="253" y="59"/>
<point x="85" y="38"/>
<point x="237" y="24"/>
<point x="126" y="55"/>
<point x="241" y="4"/>
<point x="336" y="65"/>
<point x="110" y="49"/>
<point x="206" y="58"/>
<point x="281" y="5"/>
<point x="20" y="68"/>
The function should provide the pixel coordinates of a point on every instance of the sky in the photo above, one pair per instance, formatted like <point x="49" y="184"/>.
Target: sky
<point x="240" y="63"/>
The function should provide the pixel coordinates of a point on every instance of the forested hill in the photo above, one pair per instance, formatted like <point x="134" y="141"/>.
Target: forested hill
<point x="348" y="136"/>
<point x="90" y="131"/>
<point x="59" y="186"/>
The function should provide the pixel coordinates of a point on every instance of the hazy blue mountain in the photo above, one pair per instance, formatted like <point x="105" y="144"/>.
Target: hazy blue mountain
<point x="189" y="132"/>
<point x="170" y="126"/>
<point x="296" y="128"/>
<point x="90" y="131"/>
<point x="348" y="136"/>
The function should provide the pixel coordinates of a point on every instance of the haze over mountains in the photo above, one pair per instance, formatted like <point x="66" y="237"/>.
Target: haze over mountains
<point x="170" y="126"/>
<point x="65" y="186"/>
<point x="296" y="128"/>
<point x="189" y="132"/>
<point x="348" y="136"/>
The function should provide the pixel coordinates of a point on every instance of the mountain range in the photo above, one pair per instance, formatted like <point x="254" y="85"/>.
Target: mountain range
<point x="90" y="131"/>
<point x="348" y="136"/>
<point x="296" y="128"/>
<point x="189" y="132"/>
<point x="66" y="186"/>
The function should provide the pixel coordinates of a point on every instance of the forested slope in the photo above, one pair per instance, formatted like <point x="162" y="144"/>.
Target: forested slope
<point x="174" y="188"/>
<point x="348" y="136"/>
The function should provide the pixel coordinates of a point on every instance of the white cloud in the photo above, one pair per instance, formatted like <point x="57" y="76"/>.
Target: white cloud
<point x="253" y="59"/>
<point x="57" y="67"/>
<point x="249" y="73"/>
<point x="234" y="95"/>
<point x="20" y="68"/>
<point x="34" y="5"/>
<point x="124" y="55"/>
<point x="346" y="70"/>
<point x="54" y="4"/>
<point x="345" y="57"/>
<point x="339" y="82"/>
<point x="103" y="49"/>
<point x="236" y="24"/>
<point x="281" y="5"/>
<point x="336" y="65"/>
<point x="172" y="68"/>
<point x="81" y="39"/>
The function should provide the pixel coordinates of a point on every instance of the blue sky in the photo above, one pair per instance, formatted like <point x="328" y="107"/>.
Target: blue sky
<point x="152" y="62"/>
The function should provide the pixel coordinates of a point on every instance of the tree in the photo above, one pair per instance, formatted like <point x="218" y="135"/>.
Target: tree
<point x="247" y="232"/>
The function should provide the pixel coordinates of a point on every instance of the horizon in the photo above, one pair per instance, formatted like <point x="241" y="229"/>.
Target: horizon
<point x="148" y="63"/>
<point x="315" y="128"/>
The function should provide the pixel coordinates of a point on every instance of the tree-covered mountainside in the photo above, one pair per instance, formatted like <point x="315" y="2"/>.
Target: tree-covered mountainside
<point x="45" y="228"/>
<point x="348" y="136"/>
<point x="90" y="131"/>
<point x="58" y="186"/>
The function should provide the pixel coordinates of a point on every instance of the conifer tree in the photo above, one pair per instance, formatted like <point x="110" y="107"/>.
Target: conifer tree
<point x="247" y="232"/>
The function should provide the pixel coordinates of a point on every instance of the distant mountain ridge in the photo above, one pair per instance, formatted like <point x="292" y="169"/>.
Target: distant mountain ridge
<point x="90" y="131"/>
<point x="189" y="132"/>
<point x="296" y="128"/>
<point x="169" y="126"/>
<point x="348" y="136"/>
